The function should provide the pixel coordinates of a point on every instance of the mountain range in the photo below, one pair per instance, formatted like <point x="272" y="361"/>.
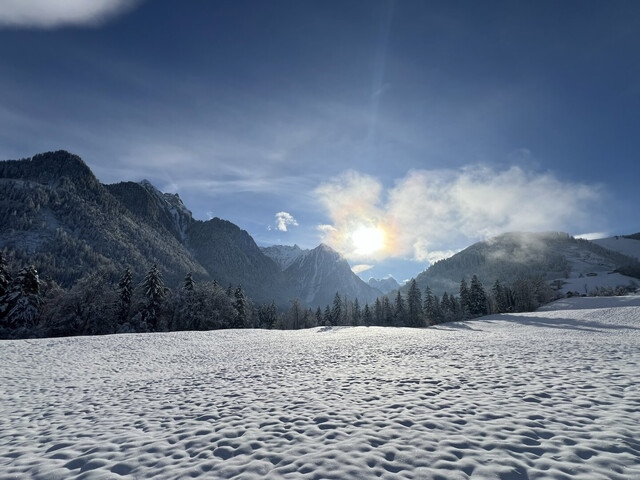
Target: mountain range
<point x="55" y="214"/>
<point x="58" y="216"/>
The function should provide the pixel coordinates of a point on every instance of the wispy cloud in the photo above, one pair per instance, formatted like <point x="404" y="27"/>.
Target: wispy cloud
<point x="428" y="212"/>
<point x="363" y="267"/>
<point x="285" y="220"/>
<point x="592" y="235"/>
<point x="55" y="13"/>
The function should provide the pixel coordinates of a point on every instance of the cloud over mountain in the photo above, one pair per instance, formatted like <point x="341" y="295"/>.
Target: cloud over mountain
<point x="427" y="211"/>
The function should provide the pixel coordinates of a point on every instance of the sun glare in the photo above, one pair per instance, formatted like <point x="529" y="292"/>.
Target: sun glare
<point x="367" y="240"/>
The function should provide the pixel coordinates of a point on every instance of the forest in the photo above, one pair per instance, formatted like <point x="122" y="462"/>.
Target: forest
<point x="94" y="305"/>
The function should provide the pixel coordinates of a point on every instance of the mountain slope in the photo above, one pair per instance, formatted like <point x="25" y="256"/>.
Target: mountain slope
<point x="626" y="245"/>
<point x="319" y="273"/>
<point x="552" y="255"/>
<point x="231" y="256"/>
<point x="56" y="214"/>
<point x="385" y="285"/>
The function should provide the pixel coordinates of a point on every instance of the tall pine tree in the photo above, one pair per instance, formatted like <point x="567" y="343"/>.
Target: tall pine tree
<point x="399" y="311"/>
<point x="429" y="308"/>
<point x="125" y="293"/>
<point x="366" y="315"/>
<point x="356" y="314"/>
<point x="414" y="306"/>
<point x="477" y="298"/>
<point x="336" y="311"/>
<point x="465" y="298"/>
<point x="21" y="304"/>
<point x="240" y="305"/>
<point x="378" y="318"/>
<point x="154" y="293"/>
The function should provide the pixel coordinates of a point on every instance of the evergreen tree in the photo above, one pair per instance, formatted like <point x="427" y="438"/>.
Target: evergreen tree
<point x="336" y="311"/>
<point x="477" y="298"/>
<point x="267" y="315"/>
<point x="465" y="298"/>
<point x="366" y="315"/>
<point x="154" y="292"/>
<point x="230" y="291"/>
<point x="188" y="283"/>
<point x="377" y="312"/>
<point x="414" y="306"/>
<point x="499" y="297"/>
<point x="356" y="314"/>
<point x="240" y="305"/>
<point x="429" y="308"/>
<point x="439" y="317"/>
<point x="319" y="319"/>
<point x="454" y="304"/>
<point x="21" y="303"/>
<point x="400" y="311"/>
<point x="387" y="312"/>
<point x="327" y="316"/>
<point x="125" y="293"/>
<point x="5" y="276"/>
<point x="295" y="314"/>
<point x="445" y="308"/>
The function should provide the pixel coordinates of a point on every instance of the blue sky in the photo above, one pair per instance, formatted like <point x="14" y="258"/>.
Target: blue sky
<point x="439" y="122"/>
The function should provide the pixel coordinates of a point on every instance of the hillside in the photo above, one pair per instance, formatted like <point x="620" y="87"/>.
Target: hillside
<point x="628" y="245"/>
<point x="497" y="397"/>
<point x="551" y="255"/>
<point x="55" y="214"/>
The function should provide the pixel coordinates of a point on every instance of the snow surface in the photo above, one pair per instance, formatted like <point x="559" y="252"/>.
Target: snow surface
<point x="627" y="246"/>
<point x="590" y="271"/>
<point x="552" y="394"/>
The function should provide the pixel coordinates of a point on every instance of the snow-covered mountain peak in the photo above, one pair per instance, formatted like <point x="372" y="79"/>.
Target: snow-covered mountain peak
<point x="283" y="255"/>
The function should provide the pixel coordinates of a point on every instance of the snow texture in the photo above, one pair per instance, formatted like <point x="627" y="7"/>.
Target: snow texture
<point x="625" y="246"/>
<point x="552" y="394"/>
<point x="590" y="271"/>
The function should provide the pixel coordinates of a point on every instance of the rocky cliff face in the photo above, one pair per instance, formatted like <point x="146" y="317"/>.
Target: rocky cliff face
<point x="318" y="274"/>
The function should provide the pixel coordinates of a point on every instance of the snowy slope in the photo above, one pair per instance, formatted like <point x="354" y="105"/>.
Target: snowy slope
<point x="552" y="394"/>
<point x="590" y="270"/>
<point x="627" y="246"/>
<point x="283" y="255"/>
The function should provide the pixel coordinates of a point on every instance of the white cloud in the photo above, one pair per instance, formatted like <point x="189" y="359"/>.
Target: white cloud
<point x="363" y="267"/>
<point x="54" y="13"/>
<point x="592" y="236"/>
<point x="434" y="256"/>
<point x="283" y="220"/>
<point x="428" y="212"/>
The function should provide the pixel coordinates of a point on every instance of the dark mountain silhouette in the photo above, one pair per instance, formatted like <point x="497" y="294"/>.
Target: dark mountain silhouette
<point x="55" y="214"/>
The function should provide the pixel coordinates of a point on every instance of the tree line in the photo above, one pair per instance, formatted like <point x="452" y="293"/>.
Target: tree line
<point x="418" y="309"/>
<point x="94" y="305"/>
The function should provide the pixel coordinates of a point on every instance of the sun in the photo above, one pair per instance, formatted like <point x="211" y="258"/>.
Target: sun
<point x="367" y="240"/>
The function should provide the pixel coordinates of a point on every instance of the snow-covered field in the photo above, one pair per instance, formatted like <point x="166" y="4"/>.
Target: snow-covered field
<point x="553" y="394"/>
